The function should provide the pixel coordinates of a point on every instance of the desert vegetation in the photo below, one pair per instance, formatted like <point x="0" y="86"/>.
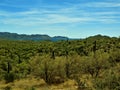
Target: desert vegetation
<point x="86" y="64"/>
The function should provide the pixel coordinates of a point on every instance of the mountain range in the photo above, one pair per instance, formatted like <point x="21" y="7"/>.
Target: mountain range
<point x="33" y="37"/>
<point x="41" y="37"/>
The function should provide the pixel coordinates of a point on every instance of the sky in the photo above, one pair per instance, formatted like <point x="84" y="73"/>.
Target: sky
<point x="71" y="18"/>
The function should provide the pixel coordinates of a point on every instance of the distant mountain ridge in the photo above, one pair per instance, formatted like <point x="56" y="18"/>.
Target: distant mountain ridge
<point x="99" y="36"/>
<point x="44" y="37"/>
<point x="33" y="37"/>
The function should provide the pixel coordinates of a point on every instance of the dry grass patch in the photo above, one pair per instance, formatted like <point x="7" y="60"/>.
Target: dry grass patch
<point x="37" y="84"/>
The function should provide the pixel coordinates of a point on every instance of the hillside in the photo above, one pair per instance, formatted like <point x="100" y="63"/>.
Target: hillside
<point x="33" y="37"/>
<point x="85" y="64"/>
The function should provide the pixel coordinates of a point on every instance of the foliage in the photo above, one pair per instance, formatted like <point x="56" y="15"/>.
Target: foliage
<point x="56" y="62"/>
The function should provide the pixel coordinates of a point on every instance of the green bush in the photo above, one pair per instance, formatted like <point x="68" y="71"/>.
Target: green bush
<point x="111" y="81"/>
<point x="9" y="77"/>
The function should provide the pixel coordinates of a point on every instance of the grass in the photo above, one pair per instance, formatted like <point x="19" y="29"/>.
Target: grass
<point x="37" y="84"/>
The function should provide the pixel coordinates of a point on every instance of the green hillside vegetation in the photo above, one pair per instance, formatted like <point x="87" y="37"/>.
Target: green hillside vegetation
<point x="86" y="64"/>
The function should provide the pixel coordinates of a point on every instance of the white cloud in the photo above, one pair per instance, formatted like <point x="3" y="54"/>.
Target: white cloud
<point x="56" y="19"/>
<point x="103" y="4"/>
<point x="68" y="15"/>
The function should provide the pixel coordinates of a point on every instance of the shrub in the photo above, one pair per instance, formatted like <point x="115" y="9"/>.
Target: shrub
<point x="111" y="81"/>
<point x="9" y="77"/>
<point x="94" y="64"/>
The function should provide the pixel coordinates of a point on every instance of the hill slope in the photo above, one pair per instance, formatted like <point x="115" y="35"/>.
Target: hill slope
<point x="34" y="37"/>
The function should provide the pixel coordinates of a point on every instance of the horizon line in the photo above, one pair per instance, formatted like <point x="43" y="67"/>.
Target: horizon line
<point x="61" y="35"/>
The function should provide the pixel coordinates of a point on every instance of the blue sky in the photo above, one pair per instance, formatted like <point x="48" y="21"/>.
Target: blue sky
<point x="71" y="18"/>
